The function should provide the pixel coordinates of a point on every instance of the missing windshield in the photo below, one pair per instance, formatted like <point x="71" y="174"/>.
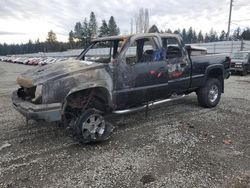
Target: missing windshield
<point x="103" y="51"/>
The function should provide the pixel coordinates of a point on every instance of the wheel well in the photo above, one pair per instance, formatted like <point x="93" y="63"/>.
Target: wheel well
<point x="80" y="99"/>
<point x="218" y="74"/>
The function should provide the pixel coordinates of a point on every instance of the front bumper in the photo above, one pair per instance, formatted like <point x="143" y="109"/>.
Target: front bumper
<point x="236" y="69"/>
<point x="46" y="112"/>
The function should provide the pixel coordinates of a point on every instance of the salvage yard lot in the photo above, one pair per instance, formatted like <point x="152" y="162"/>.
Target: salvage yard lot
<point x="179" y="144"/>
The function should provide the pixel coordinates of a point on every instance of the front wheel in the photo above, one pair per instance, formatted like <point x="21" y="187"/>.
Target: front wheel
<point x="91" y="127"/>
<point x="209" y="95"/>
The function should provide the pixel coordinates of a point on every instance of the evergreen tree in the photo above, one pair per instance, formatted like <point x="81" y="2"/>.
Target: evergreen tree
<point x="246" y="34"/>
<point x="30" y="44"/>
<point x="113" y="28"/>
<point x="86" y="34"/>
<point x="200" y="37"/>
<point x="207" y="38"/>
<point x="71" y="39"/>
<point x="37" y="46"/>
<point x="78" y="31"/>
<point x="236" y="34"/>
<point x="104" y="29"/>
<point x="222" y="36"/>
<point x="190" y="36"/>
<point x="184" y="35"/>
<point x="213" y="36"/>
<point x="51" y="42"/>
<point x="92" y="25"/>
<point x="168" y="31"/>
<point x="153" y="29"/>
<point x="178" y="31"/>
<point x="51" y="38"/>
<point x="195" y="38"/>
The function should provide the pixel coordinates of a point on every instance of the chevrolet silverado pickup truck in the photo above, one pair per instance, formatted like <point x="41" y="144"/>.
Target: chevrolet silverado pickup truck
<point x="119" y="74"/>
<point x="240" y="62"/>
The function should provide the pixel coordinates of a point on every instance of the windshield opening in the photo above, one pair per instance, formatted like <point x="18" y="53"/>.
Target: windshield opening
<point x="103" y="51"/>
<point x="240" y="55"/>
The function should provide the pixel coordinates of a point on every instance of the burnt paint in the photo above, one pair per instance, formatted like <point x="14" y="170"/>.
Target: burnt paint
<point x="127" y="85"/>
<point x="61" y="79"/>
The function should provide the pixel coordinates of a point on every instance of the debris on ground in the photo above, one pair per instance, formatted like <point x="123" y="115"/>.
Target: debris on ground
<point x="227" y="142"/>
<point x="5" y="145"/>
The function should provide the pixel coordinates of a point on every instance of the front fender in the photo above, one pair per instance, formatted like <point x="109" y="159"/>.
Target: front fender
<point x="92" y="85"/>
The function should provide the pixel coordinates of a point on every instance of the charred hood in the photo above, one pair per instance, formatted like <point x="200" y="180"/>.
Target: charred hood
<point x="55" y="71"/>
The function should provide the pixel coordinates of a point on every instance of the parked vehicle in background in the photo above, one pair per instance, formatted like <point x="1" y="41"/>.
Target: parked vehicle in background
<point x="2" y="58"/>
<point x="15" y="60"/>
<point x="136" y="72"/>
<point x="20" y="60"/>
<point x="61" y="59"/>
<point x="33" y="61"/>
<point x="42" y="62"/>
<point x="26" y="61"/>
<point x="37" y="61"/>
<point x="30" y="62"/>
<point x="10" y="59"/>
<point x="51" y="60"/>
<point x="240" y="62"/>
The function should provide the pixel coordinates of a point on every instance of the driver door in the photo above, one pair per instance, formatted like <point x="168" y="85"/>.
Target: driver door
<point x="142" y="73"/>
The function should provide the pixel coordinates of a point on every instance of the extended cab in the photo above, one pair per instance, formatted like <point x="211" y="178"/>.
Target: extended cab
<point x="119" y="74"/>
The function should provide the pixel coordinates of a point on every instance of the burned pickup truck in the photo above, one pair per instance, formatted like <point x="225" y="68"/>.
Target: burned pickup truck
<point x="119" y="74"/>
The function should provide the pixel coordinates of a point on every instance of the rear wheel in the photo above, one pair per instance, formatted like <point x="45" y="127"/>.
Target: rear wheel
<point x="209" y="95"/>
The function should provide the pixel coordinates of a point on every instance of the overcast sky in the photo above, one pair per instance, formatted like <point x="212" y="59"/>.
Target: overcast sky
<point x="21" y="20"/>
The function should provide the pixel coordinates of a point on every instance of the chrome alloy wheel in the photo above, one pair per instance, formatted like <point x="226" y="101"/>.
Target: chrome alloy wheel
<point x="93" y="127"/>
<point x="213" y="93"/>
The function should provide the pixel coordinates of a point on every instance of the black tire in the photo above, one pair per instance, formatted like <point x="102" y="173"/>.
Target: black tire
<point x="88" y="131"/>
<point x="209" y="95"/>
<point x="244" y="72"/>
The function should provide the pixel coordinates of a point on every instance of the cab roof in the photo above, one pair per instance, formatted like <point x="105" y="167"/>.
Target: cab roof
<point x="123" y="37"/>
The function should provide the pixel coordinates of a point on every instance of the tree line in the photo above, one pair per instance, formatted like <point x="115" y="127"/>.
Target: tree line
<point x="50" y="45"/>
<point x="79" y="37"/>
<point x="82" y="33"/>
<point x="192" y="36"/>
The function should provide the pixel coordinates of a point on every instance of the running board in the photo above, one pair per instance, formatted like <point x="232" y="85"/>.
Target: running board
<point x="135" y="109"/>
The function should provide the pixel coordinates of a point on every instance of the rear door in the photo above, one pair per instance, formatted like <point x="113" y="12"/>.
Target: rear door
<point x="178" y="65"/>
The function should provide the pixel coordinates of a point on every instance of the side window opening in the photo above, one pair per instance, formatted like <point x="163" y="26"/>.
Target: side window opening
<point x="172" y="48"/>
<point x="144" y="50"/>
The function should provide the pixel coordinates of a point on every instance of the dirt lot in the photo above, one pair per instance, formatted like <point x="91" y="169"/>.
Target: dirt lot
<point x="180" y="144"/>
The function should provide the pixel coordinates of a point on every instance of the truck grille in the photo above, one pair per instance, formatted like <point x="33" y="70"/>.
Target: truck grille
<point x="232" y="65"/>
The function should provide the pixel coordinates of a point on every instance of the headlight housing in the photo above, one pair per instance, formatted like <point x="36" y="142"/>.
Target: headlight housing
<point x="38" y="94"/>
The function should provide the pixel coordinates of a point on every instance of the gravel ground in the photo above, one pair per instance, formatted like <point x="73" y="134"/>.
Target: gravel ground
<point x="180" y="144"/>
